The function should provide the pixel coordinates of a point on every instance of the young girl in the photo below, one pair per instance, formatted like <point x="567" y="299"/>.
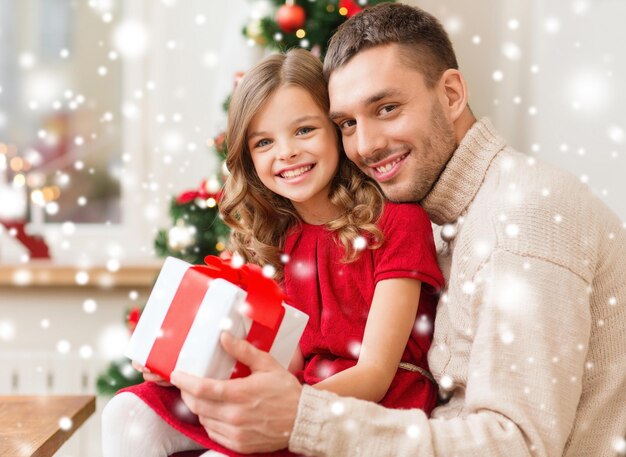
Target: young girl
<point x="364" y="270"/>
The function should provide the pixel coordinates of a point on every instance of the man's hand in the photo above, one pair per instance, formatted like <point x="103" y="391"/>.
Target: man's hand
<point x="252" y="414"/>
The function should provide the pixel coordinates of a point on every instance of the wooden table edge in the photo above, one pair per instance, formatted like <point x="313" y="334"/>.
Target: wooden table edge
<point x="55" y="442"/>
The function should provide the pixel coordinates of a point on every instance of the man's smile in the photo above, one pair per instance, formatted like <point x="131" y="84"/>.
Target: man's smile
<point x="387" y="169"/>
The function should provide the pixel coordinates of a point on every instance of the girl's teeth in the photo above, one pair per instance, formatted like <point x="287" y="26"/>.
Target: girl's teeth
<point x="296" y="172"/>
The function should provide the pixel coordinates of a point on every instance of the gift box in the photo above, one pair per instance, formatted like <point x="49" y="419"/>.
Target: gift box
<point x="189" y="307"/>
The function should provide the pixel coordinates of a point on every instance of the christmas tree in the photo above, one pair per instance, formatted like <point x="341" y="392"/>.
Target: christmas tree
<point x="197" y="230"/>
<point x="303" y="23"/>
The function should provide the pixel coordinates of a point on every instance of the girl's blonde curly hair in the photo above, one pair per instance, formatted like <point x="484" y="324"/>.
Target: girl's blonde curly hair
<point x="260" y="218"/>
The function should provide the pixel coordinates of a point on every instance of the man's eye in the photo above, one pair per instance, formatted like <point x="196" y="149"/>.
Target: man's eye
<point x="388" y="108"/>
<point x="347" y="124"/>
<point x="304" y="130"/>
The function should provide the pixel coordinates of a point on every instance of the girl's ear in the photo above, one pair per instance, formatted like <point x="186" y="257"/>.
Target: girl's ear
<point x="453" y="93"/>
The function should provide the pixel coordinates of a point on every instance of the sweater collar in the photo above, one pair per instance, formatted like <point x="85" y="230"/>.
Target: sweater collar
<point x="464" y="174"/>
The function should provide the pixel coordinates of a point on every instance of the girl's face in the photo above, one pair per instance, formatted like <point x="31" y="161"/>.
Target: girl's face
<point x="293" y="145"/>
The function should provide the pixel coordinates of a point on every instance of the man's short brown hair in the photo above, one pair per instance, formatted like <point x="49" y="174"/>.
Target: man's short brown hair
<point x="424" y="44"/>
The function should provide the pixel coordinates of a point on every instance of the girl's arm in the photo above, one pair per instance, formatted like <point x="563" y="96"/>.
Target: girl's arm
<point x="388" y="328"/>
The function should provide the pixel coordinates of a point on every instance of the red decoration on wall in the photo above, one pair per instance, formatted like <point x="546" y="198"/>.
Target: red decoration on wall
<point x="37" y="247"/>
<point x="290" y="18"/>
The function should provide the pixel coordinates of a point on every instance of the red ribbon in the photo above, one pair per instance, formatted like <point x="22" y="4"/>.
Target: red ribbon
<point x="264" y="299"/>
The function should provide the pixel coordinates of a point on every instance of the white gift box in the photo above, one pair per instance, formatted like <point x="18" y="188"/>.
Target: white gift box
<point x="222" y="307"/>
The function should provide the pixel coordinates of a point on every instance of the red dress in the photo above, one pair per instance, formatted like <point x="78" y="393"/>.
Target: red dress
<point x="337" y="297"/>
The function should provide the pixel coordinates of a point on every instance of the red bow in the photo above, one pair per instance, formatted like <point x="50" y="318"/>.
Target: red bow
<point x="202" y="192"/>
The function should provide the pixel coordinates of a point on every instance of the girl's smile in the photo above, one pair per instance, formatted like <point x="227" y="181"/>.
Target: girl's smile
<point x="291" y="174"/>
<point x="294" y="149"/>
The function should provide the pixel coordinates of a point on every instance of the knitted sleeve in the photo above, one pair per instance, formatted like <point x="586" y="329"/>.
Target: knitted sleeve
<point x="523" y="378"/>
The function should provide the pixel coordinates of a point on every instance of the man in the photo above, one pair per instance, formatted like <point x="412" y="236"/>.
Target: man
<point x="530" y="334"/>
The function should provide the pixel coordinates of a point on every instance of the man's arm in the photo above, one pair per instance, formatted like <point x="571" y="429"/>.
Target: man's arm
<point x="522" y="386"/>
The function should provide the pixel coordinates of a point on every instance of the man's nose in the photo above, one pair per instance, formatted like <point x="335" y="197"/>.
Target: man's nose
<point x="369" y="140"/>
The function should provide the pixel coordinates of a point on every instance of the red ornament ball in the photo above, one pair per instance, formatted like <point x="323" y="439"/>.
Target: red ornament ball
<point x="290" y="18"/>
<point x="132" y="318"/>
<point x="351" y="7"/>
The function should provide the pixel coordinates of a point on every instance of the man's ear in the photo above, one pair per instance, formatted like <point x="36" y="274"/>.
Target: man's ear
<point x="454" y="93"/>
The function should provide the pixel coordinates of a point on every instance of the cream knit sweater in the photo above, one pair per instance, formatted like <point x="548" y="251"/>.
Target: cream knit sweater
<point x="530" y="335"/>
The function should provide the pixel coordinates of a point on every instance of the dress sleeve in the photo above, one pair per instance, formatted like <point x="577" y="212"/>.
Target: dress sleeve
<point x="408" y="249"/>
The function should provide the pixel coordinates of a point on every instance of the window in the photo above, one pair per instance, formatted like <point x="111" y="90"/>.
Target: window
<point x="139" y="86"/>
<point x="60" y="132"/>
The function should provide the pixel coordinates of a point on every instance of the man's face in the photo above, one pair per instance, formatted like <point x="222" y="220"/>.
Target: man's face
<point x="394" y="128"/>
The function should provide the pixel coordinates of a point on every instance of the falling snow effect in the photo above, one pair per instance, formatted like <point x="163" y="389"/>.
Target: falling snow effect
<point x="7" y="331"/>
<point x="90" y="306"/>
<point x="413" y="431"/>
<point x="423" y="325"/>
<point x="301" y="269"/>
<point x="359" y="243"/>
<point x="619" y="445"/>
<point x="581" y="91"/>
<point x="183" y="412"/>
<point x="446" y="383"/>
<point x="65" y="423"/>
<point x="338" y="408"/>
<point x="63" y="347"/>
<point x="354" y="348"/>
<point x="269" y="271"/>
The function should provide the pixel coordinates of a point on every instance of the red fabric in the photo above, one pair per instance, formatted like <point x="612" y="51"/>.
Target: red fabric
<point x="36" y="245"/>
<point x="337" y="297"/>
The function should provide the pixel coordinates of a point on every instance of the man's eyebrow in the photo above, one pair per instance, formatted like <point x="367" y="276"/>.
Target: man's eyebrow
<point x="375" y="98"/>
<point x="372" y="99"/>
<point x="334" y="115"/>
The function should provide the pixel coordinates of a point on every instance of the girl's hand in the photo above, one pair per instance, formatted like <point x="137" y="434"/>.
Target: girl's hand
<point x="150" y="376"/>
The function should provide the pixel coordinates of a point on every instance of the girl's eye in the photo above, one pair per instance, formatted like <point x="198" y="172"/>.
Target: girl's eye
<point x="262" y="143"/>
<point x="304" y="130"/>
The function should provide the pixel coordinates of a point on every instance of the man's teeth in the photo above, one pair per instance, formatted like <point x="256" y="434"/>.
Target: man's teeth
<point x="389" y="166"/>
<point x="296" y="172"/>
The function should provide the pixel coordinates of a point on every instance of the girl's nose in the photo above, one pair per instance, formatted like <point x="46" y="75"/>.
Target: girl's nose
<point x="287" y="152"/>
